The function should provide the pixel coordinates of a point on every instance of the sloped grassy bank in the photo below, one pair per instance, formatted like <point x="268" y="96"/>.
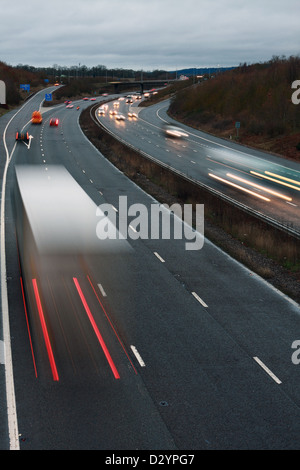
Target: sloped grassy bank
<point x="259" y="97"/>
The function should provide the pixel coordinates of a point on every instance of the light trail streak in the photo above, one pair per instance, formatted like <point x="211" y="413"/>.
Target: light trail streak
<point x="108" y="319"/>
<point x="282" y="177"/>
<point x="96" y="330"/>
<point x="258" y="186"/>
<point x="239" y="187"/>
<point x="45" y="331"/>
<point x="275" y="180"/>
<point x="28" y="328"/>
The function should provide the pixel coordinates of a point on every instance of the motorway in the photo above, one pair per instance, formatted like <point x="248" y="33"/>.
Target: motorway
<point x="200" y="347"/>
<point x="268" y="184"/>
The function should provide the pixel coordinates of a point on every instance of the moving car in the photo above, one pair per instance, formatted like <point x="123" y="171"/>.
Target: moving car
<point x="54" y="122"/>
<point x="120" y="117"/>
<point x="22" y="136"/>
<point x="132" y="115"/>
<point x="174" y="131"/>
<point x="36" y="117"/>
<point x="101" y="111"/>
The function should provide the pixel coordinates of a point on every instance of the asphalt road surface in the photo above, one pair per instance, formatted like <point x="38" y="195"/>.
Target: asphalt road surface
<point x="198" y="349"/>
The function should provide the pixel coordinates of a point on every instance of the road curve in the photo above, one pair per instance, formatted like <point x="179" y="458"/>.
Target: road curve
<point x="266" y="183"/>
<point x="202" y="346"/>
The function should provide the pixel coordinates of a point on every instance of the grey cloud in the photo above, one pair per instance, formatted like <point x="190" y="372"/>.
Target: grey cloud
<point x="145" y="35"/>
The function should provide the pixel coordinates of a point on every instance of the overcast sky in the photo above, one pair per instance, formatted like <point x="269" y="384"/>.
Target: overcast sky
<point x="147" y="35"/>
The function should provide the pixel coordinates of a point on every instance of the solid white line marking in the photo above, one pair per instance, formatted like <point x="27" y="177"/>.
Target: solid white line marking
<point x="9" y="376"/>
<point x="2" y="352"/>
<point x="159" y="257"/>
<point x="295" y="205"/>
<point x="138" y="356"/>
<point x="199" y="299"/>
<point x="102" y="290"/>
<point x="266" y="369"/>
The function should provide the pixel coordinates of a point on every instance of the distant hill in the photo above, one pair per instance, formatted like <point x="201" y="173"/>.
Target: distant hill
<point x="202" y="71"/>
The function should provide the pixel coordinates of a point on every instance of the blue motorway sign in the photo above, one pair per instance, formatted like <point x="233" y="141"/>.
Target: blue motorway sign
<point x="25" y="87"/>
<point x="48" y="97"/>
